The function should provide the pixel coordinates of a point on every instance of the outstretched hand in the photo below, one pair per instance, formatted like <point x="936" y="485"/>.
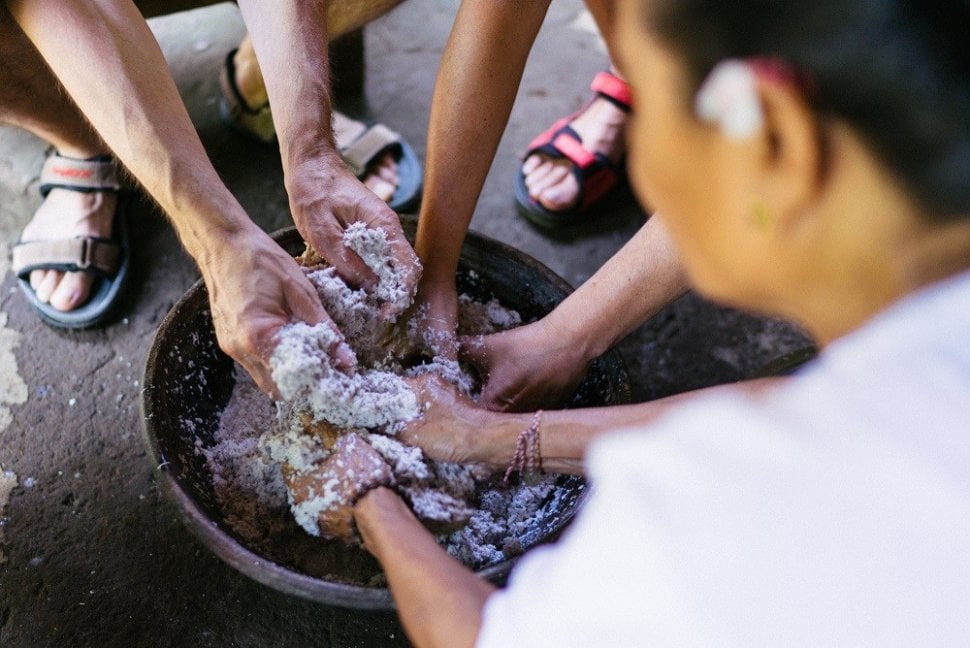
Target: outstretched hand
<point x="326" y="199"/>
<point x="255" y="288"/>
<point x="449" y="425"/>
<point x="524" y="368"/>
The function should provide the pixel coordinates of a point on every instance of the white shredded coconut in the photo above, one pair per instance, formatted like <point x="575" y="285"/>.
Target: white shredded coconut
<point x="304" y="372"/>
<point x="267" y="459"/>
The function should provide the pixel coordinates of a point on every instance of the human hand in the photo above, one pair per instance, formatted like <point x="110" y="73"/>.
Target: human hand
<point x="434" y="317"/>
<point x="326" y="199"/>
<point x="449" y="425"/>
<point x="351" y="470"/>
<point x="255" y="288"/>
<point x="382" y="508"/>
<point x="525" y="368"/>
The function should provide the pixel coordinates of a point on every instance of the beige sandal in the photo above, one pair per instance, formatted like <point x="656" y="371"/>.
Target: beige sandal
<point x="107" y="259"/>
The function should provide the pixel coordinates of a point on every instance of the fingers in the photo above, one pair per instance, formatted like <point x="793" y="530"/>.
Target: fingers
<point x="304" y="305"/>
<point x="327" y="239"/>
<point x="473" y="350"/>
<point x="262" y="376"/>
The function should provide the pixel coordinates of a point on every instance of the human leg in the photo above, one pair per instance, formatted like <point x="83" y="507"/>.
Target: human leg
<point x="33" y="99"/>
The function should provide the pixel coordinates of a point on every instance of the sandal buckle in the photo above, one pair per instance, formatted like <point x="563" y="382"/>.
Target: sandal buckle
<point x="85" y="256"/>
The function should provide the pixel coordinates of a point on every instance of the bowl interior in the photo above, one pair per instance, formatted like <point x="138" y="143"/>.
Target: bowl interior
<point x="188" y="381"/>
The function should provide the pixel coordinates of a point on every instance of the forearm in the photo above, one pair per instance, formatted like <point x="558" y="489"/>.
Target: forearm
<point x="640" y="279"/>
<point x="480" y="72"/>
<point x="565" y="435"/>
<point x="439" y="601"/>
<point x="291" y="44"/>
<point x="110" y="63"/>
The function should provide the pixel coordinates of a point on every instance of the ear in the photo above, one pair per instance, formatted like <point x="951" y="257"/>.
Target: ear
<point x="790" y="171"/>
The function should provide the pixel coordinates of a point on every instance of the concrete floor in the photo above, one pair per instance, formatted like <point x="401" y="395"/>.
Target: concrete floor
<point x="90" y="553"/>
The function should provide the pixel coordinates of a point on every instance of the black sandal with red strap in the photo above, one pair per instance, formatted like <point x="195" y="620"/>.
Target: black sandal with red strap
<point x="595" y="173"/>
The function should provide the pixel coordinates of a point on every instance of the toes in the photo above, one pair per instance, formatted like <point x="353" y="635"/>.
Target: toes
<point x="71" y="292"/>
<point x="383" y="189"/>
<point x="388" y="172"/>
<point x="382" y="178"/>
<point x="46" y="285"/>
<point x="37" y="278"/>
<point x="530" y="164"/>
<point x="553" y="185"/>
<point x="562" y="195"/>
<point x="537" y="180"/>
<point x="549" y="177"/>
<point x="388" y="163"/>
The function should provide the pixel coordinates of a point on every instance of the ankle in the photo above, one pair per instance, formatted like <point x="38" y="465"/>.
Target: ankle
<point x="249" y="81"/>
<point x="83" y="153"/>
<point x="605" y="113"/>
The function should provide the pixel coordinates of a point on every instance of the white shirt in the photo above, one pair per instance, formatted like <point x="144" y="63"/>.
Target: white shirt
<point x="834" y="512"/>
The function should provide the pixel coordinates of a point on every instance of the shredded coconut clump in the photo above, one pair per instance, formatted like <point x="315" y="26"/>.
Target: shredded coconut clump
<point x="374" y="249"/>
<point x="304" y="372"/>
<point x="276" y="465"/>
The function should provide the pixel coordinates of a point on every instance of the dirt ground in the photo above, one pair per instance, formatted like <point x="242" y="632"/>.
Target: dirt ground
<point x="90" y="553"/>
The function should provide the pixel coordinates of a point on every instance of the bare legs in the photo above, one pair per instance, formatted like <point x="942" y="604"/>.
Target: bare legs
<point x="33" y="99"/>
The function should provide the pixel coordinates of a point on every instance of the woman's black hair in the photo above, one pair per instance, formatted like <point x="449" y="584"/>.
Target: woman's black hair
<point x="897" y="71"/>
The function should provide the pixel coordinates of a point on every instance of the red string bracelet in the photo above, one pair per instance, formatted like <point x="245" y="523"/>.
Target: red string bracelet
<point x="527" y="460"/>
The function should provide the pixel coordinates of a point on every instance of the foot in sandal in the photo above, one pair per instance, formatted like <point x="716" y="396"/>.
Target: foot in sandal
<point x="578" y="160"/>
<point x="378" y="156"/>
<point x="71" y="259"/>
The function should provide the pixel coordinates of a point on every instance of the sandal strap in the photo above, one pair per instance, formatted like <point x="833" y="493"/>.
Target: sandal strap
<point x="359" y="143"/>
<point x="613" y="89"/>
<point x="572" y="149"/>
<point x="96" y="174"/>
<point x="595" y="173"/>
<point x="81" y="254"/>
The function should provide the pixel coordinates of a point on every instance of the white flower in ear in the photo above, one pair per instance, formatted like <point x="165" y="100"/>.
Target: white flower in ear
<point x="729" y="97"/>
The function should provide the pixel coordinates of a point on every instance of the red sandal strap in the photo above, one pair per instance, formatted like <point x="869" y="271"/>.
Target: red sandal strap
<point x="547" y="135"/>
<point x="574" y="151"/>
<point x="597" y="184"/>
<point x="613" y="87"/>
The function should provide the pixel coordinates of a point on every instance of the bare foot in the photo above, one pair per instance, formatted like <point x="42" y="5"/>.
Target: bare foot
<point x="550" y="181"/>
<point x="65" y="214"/>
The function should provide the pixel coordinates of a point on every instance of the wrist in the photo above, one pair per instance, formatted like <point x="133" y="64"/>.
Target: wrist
<point x="435" y="285"/>
<point x="495" y="445"/>
<point x="206" y="239"/>
<point x="238" y="241"/>
<point x="375" y="511"/>
<point x="309" y="143"/>
<point x="568" y="339"/>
